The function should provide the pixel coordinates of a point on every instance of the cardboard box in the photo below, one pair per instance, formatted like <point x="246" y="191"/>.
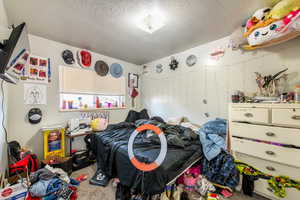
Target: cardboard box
<point x="14" y="192"/>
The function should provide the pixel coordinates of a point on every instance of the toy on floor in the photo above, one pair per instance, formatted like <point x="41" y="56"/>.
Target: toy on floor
<point x="82" y="177"/>
<point x="268" y="26"/>
<point x="212" y="196"/>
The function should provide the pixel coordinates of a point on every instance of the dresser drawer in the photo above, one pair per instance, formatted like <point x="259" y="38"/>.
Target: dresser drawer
<point x="266" y="133"/>
<point x="269" y="167"/>
<point x="260" y="115"/>
<point x="289" y="156"/>
<point x="286" y="116"/>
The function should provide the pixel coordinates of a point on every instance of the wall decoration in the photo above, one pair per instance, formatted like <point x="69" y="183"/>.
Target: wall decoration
<point x="18" y="65"/>
<point x="268" y="85"/>
<point x="174" y="63"/>
<point x="133" y="80"/>
<point x="116" y="70"/>
<point x="191" y="60"/>
<point x="84" y="58"/>
<point x="36" y="70"/>
<point x="35" y="94"/>
<point x="101" y="68"/>
<point x="49" y="71"/>
<point x="217" y="53"/>
<point x="68" y="57"/>
<point x="34" y="115"/>
<point x="159" y="68"/>
<point x="271" y="26"/>
<point x="145" y="70"/>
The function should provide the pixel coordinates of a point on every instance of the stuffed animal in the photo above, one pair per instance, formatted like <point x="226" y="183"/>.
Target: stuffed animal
<point x="272" y="26"/>
<point x="283" y="8"/>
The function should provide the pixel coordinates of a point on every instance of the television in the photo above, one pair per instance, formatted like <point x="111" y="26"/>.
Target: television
<point x="11" y="50"/>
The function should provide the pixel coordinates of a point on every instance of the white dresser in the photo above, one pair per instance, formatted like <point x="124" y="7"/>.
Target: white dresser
<point x="275" y="123"/>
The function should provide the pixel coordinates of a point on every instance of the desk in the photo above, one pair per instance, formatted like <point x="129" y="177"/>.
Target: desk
<point x="73" y="136"/>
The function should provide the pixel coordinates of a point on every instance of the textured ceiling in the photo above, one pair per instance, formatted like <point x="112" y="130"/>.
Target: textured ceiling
<point x="107" y="26"/>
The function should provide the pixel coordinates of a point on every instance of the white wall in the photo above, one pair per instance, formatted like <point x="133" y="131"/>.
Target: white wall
<point x="27" y="134"/>
<point x="181" y="92"/>
<point x="3" y="153"/>
<point x="3" y="17"/>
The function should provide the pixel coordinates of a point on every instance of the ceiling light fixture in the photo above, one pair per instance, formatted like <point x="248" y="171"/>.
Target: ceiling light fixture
<point x="151" y="22"/>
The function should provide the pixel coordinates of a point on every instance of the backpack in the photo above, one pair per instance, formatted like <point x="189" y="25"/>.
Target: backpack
<point x="14" y="149"/>
<point x="84" y="158"/>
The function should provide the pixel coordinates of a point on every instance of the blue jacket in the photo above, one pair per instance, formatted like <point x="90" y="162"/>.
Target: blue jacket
<point x="212" y="137"/>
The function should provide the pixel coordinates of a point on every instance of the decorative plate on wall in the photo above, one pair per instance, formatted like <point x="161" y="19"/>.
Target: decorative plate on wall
<point x="191" y="60"/>
<point x="159" y="68"/>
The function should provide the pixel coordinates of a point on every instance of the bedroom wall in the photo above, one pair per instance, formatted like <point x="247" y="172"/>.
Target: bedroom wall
<point x="29" y="135"/>
<point x="181" y="92"/>
<point x="3" y="157"/>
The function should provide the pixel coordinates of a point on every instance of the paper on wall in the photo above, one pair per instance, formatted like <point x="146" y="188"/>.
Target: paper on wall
<point x="35" y="94"/>
<point x="36" y="70"/>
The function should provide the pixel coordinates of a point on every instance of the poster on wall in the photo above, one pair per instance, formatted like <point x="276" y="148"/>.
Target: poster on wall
<point x="18" y="64"/>
<point x="36" y="70"/>
<point x="133" y="80"/>
<point x="35" y="94"/>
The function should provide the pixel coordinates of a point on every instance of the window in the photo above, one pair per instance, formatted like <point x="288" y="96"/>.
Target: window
<point x="73" y="102"/>
<point x="82" y="89"/>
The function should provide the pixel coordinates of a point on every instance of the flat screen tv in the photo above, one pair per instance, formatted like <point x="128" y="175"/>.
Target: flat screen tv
<point x="10" y="51"/>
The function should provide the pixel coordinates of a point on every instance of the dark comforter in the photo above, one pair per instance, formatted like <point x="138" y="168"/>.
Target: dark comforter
<point x="112" y="155"/>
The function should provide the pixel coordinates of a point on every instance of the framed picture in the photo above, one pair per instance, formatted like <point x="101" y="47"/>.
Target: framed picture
<point x="133" y="80"/>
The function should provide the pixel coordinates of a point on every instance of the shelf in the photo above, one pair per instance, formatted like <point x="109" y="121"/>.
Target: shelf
<point x="79" y="134"/>
<point x="90" y="109"/>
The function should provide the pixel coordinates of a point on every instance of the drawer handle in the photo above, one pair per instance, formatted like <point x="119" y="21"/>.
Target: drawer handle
<point x="271" y="153"/>
<point x="270" y="134"/>
<point x="270" y="168"/>
<point x="248" y="115"/>
<point x="296" y="117"/>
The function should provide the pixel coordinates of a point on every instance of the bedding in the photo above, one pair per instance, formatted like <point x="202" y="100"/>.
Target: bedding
<point x="110" y="146"/>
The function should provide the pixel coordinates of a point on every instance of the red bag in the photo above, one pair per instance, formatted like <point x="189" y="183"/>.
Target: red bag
<point x="28" y="164"/>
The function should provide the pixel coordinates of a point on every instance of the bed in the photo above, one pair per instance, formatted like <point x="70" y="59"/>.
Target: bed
<point x="110" y="146"/>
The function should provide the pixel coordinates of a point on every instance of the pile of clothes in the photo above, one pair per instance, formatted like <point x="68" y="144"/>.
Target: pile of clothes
<point x="197" y="185"/>
<point x="50" y="184"/>
<point x="218" y="165"/>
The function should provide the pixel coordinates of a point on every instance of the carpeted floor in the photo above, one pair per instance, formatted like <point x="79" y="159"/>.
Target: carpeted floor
<point x="90" y="192"/>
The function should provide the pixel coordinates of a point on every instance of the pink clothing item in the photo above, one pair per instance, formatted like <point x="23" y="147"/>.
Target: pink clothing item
<point x="190" y="182"/>
<point x="194" y="171"/>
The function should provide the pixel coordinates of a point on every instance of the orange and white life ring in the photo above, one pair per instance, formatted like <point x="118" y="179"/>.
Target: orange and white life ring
<point x="163" y="150"/>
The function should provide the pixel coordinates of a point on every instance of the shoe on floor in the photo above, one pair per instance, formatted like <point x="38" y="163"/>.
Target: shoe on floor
<point x="99" y="179"/>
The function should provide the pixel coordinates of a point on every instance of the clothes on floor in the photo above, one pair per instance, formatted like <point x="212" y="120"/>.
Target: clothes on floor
<point x="190" y="178"/>
<point x="51" y="184"/>
<point x="172" y="192"/>
<point x="44" y="188"/>
<point x="212" y="136"/>
<point x="43" y="174"/>
<point x="221" y="170"/>
<point x="280" y="183"/>
<point x="61" y="173"/>
<point x="204" y="186"/>
<point x="277" y="184"/>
